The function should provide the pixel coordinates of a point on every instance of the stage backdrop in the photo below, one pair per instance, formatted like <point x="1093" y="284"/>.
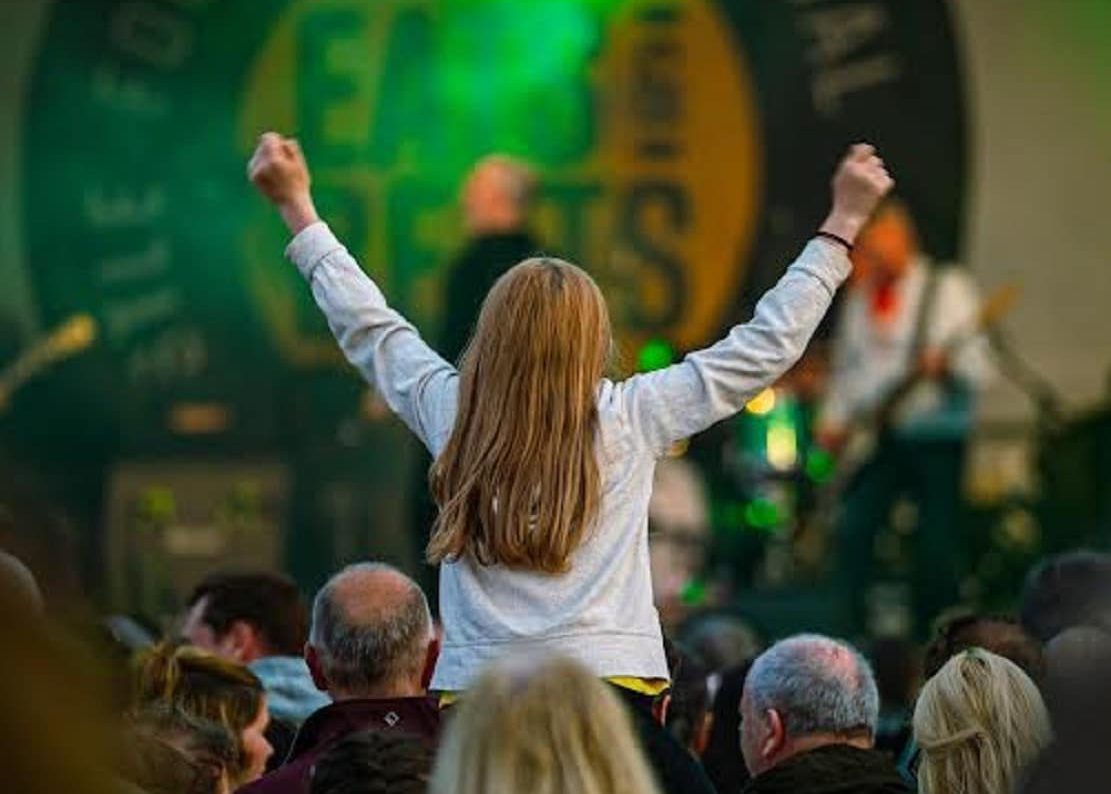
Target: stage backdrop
<point x="685" y="149"/>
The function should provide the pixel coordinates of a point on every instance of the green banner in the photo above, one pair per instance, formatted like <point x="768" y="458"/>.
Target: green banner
<point x="685" y="148"/>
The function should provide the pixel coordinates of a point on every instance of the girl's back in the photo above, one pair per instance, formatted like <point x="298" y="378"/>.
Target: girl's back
<point x="600" y="609"/>
<point x="543" y="469"/>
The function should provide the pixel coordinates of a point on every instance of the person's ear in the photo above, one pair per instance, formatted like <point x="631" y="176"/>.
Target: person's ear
<point x="775" y="735"/>
<point x="242" y="643"/>
<point x="312" y="660"/>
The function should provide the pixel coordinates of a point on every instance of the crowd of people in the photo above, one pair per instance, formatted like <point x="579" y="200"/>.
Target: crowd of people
<point x="998" y="705"/>
<point x="546" y="669"/>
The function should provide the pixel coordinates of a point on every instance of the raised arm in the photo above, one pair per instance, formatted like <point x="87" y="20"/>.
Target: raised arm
<point x="712" y="384"/>
<point x="416" y="383"/>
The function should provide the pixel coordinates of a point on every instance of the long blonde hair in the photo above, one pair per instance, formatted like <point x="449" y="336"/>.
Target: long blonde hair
<point x="518" y="482"/>
<point x="544" y="725"/>
<point x="980" y="721"/>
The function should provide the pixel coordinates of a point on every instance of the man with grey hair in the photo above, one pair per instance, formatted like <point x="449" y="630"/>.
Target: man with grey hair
<point x="808" y="722"/>
<point x="371" y="649"/>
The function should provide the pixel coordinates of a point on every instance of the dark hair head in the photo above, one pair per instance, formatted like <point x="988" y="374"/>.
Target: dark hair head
<point x="721" y="639"/>
<point x="372" y="762"/>
<point x="1066" y="590"/>
<point x="269" y="602"/>
<point x="1078" y="684"/>
<point x="690" y="694"/>
<point x="1001" y="635"/>
<point x="894" y="664"/>
<point x="725" y="766"/>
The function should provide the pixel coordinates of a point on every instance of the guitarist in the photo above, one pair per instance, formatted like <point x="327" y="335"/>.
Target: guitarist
<point x="896" y="336"/>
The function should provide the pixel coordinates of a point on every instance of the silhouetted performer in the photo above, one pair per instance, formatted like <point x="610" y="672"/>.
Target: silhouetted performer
<point x="496" y="199"/>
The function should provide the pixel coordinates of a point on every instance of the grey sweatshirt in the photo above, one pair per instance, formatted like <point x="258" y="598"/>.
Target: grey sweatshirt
<point x="599" y="612"/>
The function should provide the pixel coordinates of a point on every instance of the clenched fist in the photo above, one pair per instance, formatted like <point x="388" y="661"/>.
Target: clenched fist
<point x="279" y="171"/>
<point x="859" y="184"/>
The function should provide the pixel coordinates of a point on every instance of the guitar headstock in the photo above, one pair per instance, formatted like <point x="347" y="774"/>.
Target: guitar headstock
<point x="998" y="304"/>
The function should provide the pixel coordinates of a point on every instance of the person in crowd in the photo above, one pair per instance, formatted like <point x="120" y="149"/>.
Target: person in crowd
<point x="999" y="634"/>
<point x="370" y="647"/>
<point x="534" y="451"/>
<point x="258" y="619"/>
<point x="55" y="721"/>
<point x="1066" y="590"/>
<point x="679" y="539"/>
<point x="541" y="724"/>
<point x="1077" y="686"/>
<point x="373" y="762"/>
<point x="979" y="723"/>
<point x="687" y="713"/>
<point x="212" y="688"/>
<point x="895" y="665"/>
<point x="904" y="317"/>
<point x="722" y="640"/>
<point x="808" y="722"/>
<point x="497" y="200"/>
<point x="167" y="750"/>
<point x="1077" y="693"/>
<point x="724" y="765"/>
<point x="670" y="726"/>
<point x="19" y="585"/>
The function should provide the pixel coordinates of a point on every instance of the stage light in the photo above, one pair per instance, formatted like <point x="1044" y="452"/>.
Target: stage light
<point x="655" y="354"/>
<point x="782" y="445"/>
<point x="819" y="465"/>
<point x="762" y="514"/>
<point x="762" y="404"/>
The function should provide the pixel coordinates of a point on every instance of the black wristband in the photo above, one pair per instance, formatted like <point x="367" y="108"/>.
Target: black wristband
<point x="835" y="238"/>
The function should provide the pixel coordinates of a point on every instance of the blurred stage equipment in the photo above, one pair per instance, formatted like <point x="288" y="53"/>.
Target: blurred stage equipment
<point x="171" y="522"/>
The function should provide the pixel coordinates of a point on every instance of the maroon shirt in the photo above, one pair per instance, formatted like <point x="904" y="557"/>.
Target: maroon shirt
<point x="419" y="717"/>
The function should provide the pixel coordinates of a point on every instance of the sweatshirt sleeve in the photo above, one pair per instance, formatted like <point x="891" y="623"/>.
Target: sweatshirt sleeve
<point x="417" y="384"/>
<point x="709" y="385"/>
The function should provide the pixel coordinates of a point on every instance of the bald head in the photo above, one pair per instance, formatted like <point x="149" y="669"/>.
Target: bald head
<point x="370" y="634"/>
<point x="497" y="195"/>
<point x="18" y="585"/>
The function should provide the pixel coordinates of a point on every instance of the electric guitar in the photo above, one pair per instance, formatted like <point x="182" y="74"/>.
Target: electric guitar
<point x="865" y="433"/>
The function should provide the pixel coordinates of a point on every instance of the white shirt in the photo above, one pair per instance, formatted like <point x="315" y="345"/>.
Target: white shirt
<point x="870" y="356"/>
<point x="600" y="612"/>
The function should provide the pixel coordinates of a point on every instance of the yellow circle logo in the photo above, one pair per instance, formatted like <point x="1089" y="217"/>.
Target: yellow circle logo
<point x="639" y="116"/>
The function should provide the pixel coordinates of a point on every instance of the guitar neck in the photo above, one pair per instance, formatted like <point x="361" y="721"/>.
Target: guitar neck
<point x="905" y="385"/>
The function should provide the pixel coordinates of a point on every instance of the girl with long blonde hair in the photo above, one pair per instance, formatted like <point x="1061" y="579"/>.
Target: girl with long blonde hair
<point x="542" y="467"/>
<point x="979" y="723"/>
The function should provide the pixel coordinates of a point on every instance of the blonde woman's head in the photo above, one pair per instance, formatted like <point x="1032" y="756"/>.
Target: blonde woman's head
<point x="212" y="688"/>
<point x="543" y="725"/>
<point x="518" y="482"/>
<point x="979" y="722"/>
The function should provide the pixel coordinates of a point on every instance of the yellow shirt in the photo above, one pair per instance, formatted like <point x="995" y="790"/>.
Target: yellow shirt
<point x="643" y="686"/>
